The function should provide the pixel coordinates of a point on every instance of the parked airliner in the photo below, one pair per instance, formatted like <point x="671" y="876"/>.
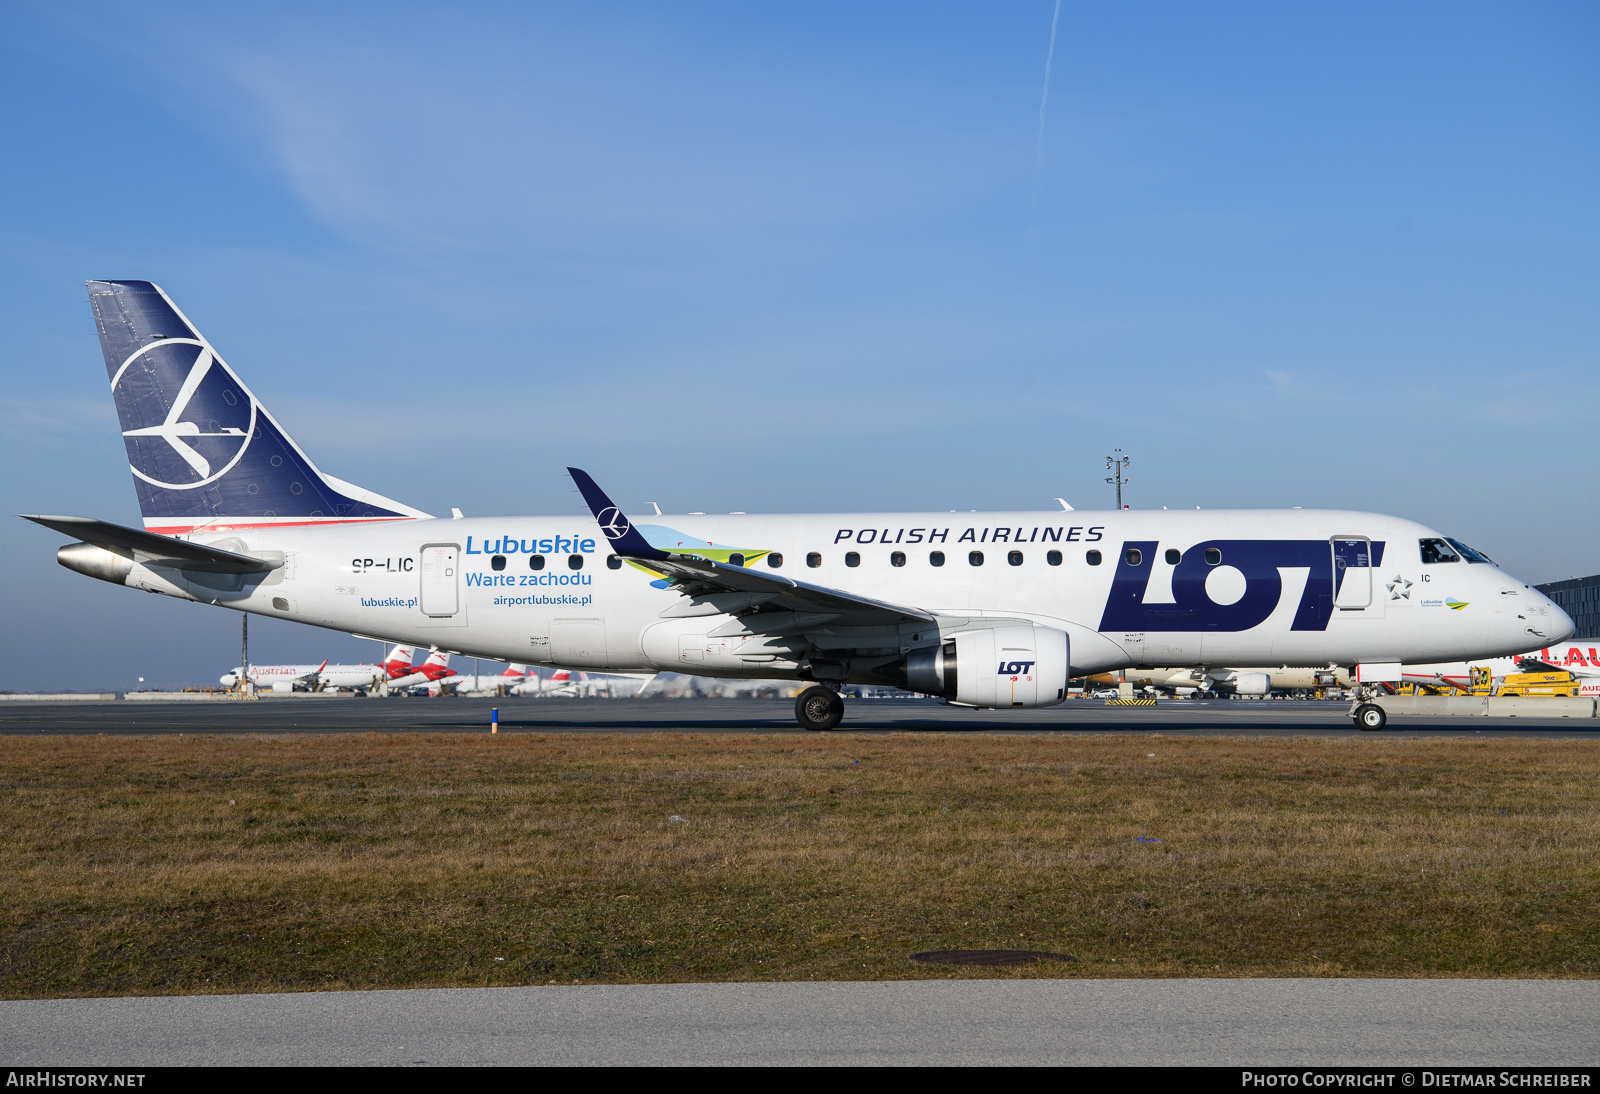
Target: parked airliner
<point x="514" y="676"/>
<point x="308" y="677"/>
<point x="985" y="609"/>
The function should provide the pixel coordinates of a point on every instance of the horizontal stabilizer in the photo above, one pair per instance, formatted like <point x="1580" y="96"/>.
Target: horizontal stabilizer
<point x="149" y="547"/>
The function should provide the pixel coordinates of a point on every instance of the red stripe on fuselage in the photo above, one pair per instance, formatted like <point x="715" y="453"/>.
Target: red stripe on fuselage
<point x="191" y="529"/>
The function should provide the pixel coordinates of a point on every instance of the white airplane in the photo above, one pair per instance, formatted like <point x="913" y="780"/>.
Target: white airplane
<point x="985" y="609"/>
<point x="566" y="684"/>
<point x="285" y="678"/>
<point x="316" y="677"/>
<point x="514" y="676"/>
<point x="1239" y="681"/>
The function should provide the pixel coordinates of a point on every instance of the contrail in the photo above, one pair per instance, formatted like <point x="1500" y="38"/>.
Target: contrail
<point x="1044" y="98"/>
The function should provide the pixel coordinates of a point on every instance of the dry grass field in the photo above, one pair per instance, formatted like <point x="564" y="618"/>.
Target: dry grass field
<point x="193" y="864"/>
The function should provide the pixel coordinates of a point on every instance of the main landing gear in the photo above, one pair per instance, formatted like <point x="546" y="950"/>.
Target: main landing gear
<point x="818" y="709"/>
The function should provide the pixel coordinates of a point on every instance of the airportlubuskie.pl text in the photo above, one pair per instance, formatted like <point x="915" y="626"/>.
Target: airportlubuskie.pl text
<point x="74" y="1078"/>
<point x="1515" y="1079"/>
<point x="541" y="600"/>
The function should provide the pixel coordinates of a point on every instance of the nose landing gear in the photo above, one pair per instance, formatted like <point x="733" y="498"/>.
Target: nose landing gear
<point x="1370" y="717"/>
<point x="818" y="709"/>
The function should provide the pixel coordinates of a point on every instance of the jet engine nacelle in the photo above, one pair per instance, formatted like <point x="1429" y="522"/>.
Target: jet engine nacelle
<point x="997" y="667"/>
<point x="1251" y="683"/>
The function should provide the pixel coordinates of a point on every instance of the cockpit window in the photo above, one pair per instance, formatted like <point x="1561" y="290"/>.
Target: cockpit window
<point x="1468" y="553"/>
<point x="1437" y="550"/>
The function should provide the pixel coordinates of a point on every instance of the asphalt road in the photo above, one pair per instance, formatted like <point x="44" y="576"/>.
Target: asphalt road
<point x="1242" y="1023"/>
<point x="310" y="714"/>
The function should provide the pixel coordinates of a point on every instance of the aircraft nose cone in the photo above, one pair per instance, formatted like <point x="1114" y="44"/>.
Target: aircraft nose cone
<point x="1561" y="625"/>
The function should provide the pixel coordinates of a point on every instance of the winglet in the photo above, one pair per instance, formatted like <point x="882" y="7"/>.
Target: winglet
<point x="625" y="538"/>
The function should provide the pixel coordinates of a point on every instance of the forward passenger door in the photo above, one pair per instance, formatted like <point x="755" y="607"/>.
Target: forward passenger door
<point x="1352" y="573"/>
<point x="441" y="577"/>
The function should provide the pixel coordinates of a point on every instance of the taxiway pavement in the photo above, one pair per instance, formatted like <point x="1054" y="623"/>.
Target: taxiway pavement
<point x="312" y="714"/>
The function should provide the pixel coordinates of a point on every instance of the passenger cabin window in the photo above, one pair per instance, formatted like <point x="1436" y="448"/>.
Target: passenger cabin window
<point x="1467" y="552"/>
<point x="1092" y="558"/>
<point x="814" y="559"/>
<point x="1437" y="550"/>
<point x="1213" y="556"/>
<point x="535" y="562"/>
<point x="736" y="560"/>
<point x="1133" y="556"/>
<point x="614" y="562"/>
<point x="852" y="558"/>
<point x="936" y="558"/>
<point x="574" y="562"/>
<point x="1014" y="557"/>
<point x="897" y="559"/>
<point x="975" y="558"/>
<point x="1173" y="557"/>
<point x="498" y="562"/>
<point x="775" y="560"/>
<point x="1053" y="558"/>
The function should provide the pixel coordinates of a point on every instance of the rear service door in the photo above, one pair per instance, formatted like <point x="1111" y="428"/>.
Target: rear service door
<point x="440" y="579"/>
<point x="1352" y="573"/>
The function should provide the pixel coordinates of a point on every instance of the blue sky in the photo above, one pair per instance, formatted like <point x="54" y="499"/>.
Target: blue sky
<point x="808" y="257"/>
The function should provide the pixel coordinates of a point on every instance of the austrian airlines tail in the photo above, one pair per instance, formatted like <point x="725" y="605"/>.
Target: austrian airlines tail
<point x="437" y="666"/>
<point x="431" y="671"/>
<point x="399" y="662"/>
<point x="205" y="454"/>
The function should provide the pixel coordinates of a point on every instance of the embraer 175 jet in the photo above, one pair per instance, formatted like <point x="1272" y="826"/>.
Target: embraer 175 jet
<point x="984" y="609"/>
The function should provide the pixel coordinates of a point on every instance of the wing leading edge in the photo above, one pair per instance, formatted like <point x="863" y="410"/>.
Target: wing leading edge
<point x="719" y="587"/>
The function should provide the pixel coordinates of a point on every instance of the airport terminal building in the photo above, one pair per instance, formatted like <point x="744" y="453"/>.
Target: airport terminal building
<point x="1579" y="597"/>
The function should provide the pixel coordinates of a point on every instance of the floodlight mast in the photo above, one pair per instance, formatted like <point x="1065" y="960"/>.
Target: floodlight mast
<point x="1118" y="463"/>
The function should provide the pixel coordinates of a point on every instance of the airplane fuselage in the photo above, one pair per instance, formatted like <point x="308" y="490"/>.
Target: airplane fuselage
<point x="1224" y="587"/>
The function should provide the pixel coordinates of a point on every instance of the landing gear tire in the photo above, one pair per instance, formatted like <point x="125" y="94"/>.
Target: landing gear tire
<point x="818" y="709"/>
<point x="1370" y="717"/>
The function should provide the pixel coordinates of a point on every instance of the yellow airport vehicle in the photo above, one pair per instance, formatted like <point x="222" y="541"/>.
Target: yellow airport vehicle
<point x="1539" y="684"/>
<point x="1482" y="681"/>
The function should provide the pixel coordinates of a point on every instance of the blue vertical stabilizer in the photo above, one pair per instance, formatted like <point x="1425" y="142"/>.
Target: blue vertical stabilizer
<point x="204" y="452"/>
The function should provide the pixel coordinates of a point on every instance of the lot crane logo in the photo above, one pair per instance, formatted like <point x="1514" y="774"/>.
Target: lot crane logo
<point x="208" y="424"/>
<point x="613" y="523"/>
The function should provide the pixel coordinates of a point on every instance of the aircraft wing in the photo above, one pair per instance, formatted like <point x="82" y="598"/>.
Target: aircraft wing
<point x="149" y="547"/>
<point x="719" y="587"/>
